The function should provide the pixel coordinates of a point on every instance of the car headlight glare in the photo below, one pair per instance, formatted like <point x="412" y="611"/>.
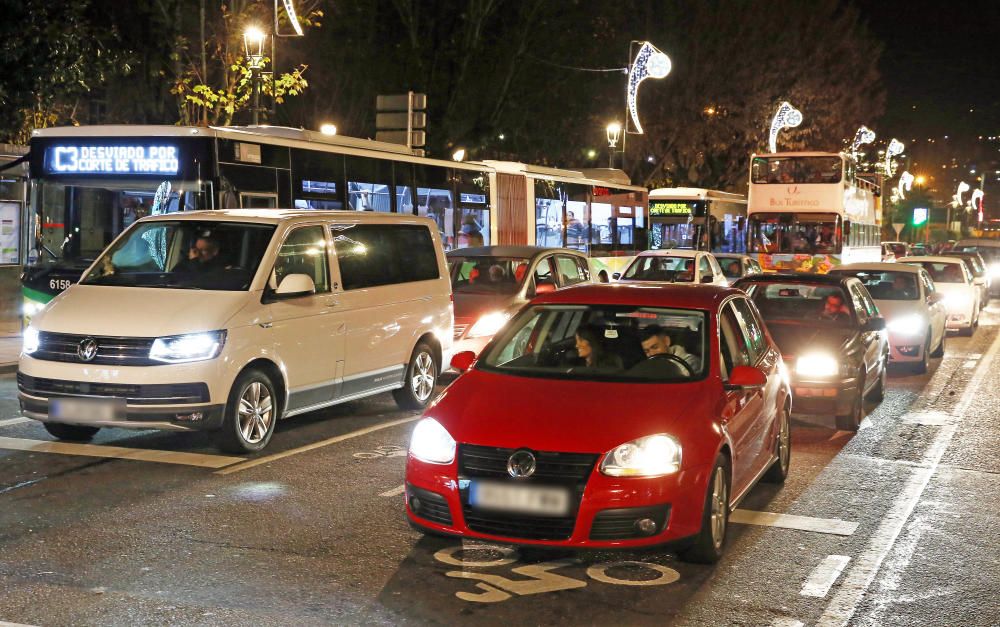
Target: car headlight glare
<point x="910" y="325"/>
<point x="179" y="349"/>
<point x="817" y="365"/>
<point x="432" y="443"/>
<point x="489" y="324"/>
<point x="650" y="456"/>
<point x="953" y="302"/>
<point x="995" y="271"/>
<point x="30" y="340"/>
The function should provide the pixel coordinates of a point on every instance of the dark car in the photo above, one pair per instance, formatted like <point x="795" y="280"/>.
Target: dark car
<point x="832" y="338"/>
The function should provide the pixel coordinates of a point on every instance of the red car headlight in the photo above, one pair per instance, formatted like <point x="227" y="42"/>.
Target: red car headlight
<point x="649" y="456"/>
<point x="432" y="443"/>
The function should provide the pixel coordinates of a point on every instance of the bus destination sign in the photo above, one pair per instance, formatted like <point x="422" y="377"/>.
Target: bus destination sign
<point x="657" y="208"/>
<point x="112" y="160"/>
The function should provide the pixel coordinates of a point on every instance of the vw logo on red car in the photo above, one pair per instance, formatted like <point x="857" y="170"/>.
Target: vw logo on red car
<point x="606" y="416"/>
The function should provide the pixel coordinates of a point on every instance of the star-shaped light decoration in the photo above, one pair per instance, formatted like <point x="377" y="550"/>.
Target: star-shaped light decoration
<point x="648" y="63"/>
<point x="787" y="116"/>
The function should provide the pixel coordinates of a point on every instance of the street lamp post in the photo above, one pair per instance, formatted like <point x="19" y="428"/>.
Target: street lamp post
<point x="614" y="131"/>
<point x="253" y="44"/>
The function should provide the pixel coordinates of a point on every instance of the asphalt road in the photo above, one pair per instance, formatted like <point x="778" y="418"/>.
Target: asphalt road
<point x="893" y="526"/>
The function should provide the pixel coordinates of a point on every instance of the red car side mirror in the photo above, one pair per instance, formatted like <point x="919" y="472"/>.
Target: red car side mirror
<point x="463" y="361"/>
<point x="746" y="378"/>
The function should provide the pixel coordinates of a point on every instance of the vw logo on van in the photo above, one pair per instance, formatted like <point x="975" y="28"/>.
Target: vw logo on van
<point x="521" y="464"/>
<point x="86" y="350"/>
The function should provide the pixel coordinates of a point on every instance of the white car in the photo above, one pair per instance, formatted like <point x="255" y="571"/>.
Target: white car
<point x="961" y="295"/>
<point x="914" y="310"/>
<point x="674" y="266"/>
<point x="736" y="265"/>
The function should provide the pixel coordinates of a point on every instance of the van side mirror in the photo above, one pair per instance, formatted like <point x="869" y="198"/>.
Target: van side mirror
<point x="463" y="361"/>
<point x="295" y="285"/>
<point x="708" y="278"/>
<point x="746" y="378"/>
<point x="616" y="276"/>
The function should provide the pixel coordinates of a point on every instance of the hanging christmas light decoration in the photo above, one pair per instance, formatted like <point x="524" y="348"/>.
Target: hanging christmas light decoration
<point x="292" y="17"/>
<point x="648" y="63"/>
<point x="976" y="200"/>
<point x="787" y="116"/>
<point x="905" y="183"/>
<point x="957" y="198"/>
<point x="864" y="136"/>
<point x="895" y="148"/>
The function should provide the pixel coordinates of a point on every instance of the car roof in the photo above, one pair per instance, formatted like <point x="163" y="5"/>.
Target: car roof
<point x="884" y="267"/>
<point x="277" y="216"/>
<point x="508" y="251"/>
<point x="932" y="258"/>
<point x="641" y="293"/>
<point x="672" y="252"/>
<point x="731" y="256"/>
<point x="797" y="277"/>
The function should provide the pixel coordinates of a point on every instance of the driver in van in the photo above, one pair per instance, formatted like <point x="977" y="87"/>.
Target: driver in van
<point x="203" y="255"/>
<point x="657" y="341"/>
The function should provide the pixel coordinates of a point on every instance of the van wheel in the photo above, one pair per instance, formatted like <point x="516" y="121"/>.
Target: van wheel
<point x="421" y="377"/>
<point x="75" y="433"/>
<point x="251" y="414"/>
<point x="707" y="546"/>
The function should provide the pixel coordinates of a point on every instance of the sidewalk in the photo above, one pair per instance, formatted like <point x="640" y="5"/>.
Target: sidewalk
<point x="10" y="348"/>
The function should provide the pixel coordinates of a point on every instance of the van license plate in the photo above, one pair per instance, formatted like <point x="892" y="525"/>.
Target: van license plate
<point x="521" y="499"/>
<point x="85" y="410"/>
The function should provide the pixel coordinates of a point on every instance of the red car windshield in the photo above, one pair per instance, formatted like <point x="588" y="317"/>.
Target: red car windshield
<point x="602" y="342"/>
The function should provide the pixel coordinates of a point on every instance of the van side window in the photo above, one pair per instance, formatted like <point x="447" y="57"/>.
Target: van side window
<point x="371" y="255"/>
<point x="304" y="252"/>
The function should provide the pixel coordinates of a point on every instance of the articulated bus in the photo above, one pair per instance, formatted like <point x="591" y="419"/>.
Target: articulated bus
<point x="90" y="183"/>
<point x="697" y="219"/>
<point x="810" y="211"/>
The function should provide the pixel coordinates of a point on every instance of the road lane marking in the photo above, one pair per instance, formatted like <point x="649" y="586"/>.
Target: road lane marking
<point x="832" y="526"/>
<point x="315" y="445"/>
<point x="927" y="418"/>
<point x="395" y="491"/>
<point x="861" y="575"/>
<point x="6" y="624"/>
<point x="822" y="578"/>
<point x="118" y="452"/>
<point x="787" y="622"/>
<point x="13" y="421"/>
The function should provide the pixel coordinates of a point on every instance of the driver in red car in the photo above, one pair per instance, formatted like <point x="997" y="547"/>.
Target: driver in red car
<point x="657" y="341"/>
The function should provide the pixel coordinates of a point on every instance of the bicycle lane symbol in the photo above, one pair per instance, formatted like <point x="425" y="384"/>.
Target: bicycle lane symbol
<point x="539" y="578"/>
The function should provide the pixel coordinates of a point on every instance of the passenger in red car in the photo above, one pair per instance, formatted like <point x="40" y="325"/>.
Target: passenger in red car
<point x="590" y="349"/>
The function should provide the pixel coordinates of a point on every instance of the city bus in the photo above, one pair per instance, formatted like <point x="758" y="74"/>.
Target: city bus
<point x="810" y="211"/>
<point x="697" y="219"/>
<point x="88" y="184"/>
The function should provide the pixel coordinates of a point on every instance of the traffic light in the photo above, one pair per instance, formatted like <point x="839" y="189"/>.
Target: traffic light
<point x="919" y="215"/>
<point x="402" y="119"/>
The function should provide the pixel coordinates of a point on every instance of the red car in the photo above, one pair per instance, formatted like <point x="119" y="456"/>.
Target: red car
<point x="606" y="416"/>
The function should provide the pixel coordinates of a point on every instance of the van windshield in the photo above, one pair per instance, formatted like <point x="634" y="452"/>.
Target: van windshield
<point x="184" y="254"/>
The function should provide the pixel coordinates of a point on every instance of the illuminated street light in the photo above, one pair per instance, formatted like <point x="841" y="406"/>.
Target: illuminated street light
<point x="328" y="129"/>
<point x="253" y="45"/>
<point x="648" y="63"/>
<point x="458" y="155"/>
<point x="787" y="116"/>
<point x="614" y="132"/>
<point x="920" y="180"/>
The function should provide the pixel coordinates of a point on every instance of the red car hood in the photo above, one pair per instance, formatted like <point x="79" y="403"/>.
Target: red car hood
<point x="491" y="409"/>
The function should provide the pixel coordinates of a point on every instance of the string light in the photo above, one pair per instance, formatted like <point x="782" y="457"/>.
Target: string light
<point x="292" y="17"/>
<point x="787" y="116"/>
<point x="648" y="63"/>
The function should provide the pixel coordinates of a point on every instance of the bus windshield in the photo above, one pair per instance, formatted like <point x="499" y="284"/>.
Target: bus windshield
<point x="799" y="233"/>
<point x="783" y="170"/>
<point x="77" y="220"/>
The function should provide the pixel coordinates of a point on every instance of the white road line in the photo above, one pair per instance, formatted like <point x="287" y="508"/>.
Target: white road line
<point x="118" y="452"/>
<point x="822" y="578"/>
<point x="862" y="573"/>
<point x="315" y="445"/>
<point x="788" y="521"/>
<point x="6" y="624"/>
<point x="13" y="421"/>
<point x="395" y="491"/>
<point x="787" y="622"/>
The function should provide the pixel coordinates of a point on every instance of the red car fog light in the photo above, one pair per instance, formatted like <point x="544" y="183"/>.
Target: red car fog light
<point x="646" y="526"/>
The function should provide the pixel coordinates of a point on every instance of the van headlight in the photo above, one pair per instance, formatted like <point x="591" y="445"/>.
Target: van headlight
<point x="432" y="443"/>
<point x="179" y="349"/>
<point x="650" y="456"/>
<point x="489" y="324"/>
<point x="910" y="325"/>
<point x="817" y="365"/>
<point x="30" y="340"/>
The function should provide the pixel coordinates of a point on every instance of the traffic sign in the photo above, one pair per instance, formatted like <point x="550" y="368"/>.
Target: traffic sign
<point x="919" y="215"/>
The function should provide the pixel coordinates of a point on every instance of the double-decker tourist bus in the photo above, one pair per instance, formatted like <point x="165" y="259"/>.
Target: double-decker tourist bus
<point x="810" y="211"/>
<point x="697" y="219"/>
<point x="90" y="183"/>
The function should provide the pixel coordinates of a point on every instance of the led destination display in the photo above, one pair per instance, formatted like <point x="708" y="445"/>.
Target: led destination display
<point x="116" y="160"/>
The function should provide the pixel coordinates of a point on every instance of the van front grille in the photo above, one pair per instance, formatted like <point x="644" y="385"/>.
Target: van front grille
<point x="111" y="351"/>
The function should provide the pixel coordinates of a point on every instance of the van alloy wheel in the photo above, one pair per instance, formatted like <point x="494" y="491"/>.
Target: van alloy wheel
<point x="423" y="378"/>
<point x="256" y="412"/>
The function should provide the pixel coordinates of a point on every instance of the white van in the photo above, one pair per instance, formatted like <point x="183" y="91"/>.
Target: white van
<point x="228" y="321"/>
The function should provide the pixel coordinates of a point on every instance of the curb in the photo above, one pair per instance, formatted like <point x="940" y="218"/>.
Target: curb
<point x="8" y="368"/>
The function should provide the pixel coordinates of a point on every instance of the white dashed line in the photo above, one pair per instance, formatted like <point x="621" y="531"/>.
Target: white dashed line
<point x="394" y="492"/>
<point x="824" y="576"/>
<point x="832" y="526"/>
<point x="13" y="421"/>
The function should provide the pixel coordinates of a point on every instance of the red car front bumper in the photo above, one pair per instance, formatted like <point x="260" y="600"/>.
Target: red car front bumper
<point x="604" y="512"/>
